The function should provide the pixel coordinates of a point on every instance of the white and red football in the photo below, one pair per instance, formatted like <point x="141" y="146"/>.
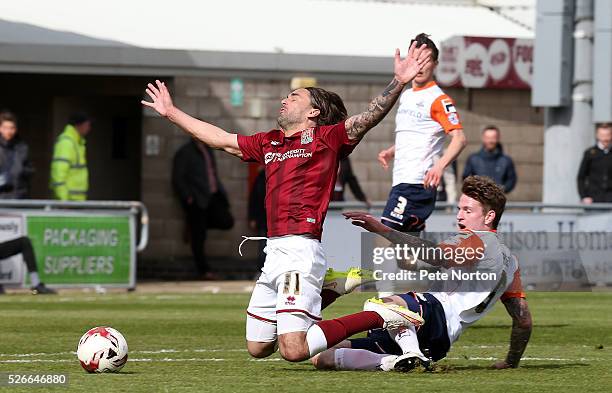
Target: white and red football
<point x="102" y="350"/>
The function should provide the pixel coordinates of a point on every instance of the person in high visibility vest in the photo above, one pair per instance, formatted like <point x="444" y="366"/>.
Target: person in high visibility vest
<point x="69" y="174"/>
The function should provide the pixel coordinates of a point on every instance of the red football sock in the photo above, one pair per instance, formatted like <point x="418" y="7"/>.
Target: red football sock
<point x="328" y="297"/>
<point x="336" y="330"/>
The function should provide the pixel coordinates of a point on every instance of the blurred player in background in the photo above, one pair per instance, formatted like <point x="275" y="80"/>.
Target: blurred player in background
<point x="424" y="117"/>
<point x="346" y="176"/>
<point x="23" y="246"/>
<point x="301" y="160"/>
<point x="453" y="305"/>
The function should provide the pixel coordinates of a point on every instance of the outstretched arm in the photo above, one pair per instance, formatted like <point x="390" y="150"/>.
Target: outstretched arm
<point x="521" y="331"/>
<point x="371" y="224"/>
<point x="211" y="135"/>
<point x="405" y="70"/>
<point x="457" y="144"/>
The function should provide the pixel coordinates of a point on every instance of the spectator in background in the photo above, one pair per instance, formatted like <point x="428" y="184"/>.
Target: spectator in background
<point x="595" y="173"/>
<point x="23" y="246"/>
<point x="346" y="176"/>
<point x="195" y="180"/>
<point x="15" y="166"/>
<point x="69" y="174"/>
<point x="491" y="161"/>
<point x="257" y="213"/>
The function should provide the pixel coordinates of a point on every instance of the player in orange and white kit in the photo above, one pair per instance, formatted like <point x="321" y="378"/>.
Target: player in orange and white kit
<point x="453" y="304"/>
<point x="424" y="117"/>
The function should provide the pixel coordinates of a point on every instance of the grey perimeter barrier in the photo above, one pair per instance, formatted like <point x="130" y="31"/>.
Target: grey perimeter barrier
<point x="558" y="246"/>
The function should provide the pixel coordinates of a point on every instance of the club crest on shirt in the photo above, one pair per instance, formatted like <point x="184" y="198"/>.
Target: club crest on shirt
<point x="307" y="136"/>
<point x="453" y="119"/>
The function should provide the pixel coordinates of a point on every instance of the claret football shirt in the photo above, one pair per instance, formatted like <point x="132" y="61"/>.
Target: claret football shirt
<point x="301" y="172"/>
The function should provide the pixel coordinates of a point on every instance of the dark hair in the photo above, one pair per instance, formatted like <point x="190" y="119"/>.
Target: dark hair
<point x="490" y="127"/>
<point x="605" y="126"/>
<point x="490" y="195"/>
<point x="424" y="39"/>
<point x="329" y="104"/>
<point x="78" y="118"/>
<point x="7" y="116"/>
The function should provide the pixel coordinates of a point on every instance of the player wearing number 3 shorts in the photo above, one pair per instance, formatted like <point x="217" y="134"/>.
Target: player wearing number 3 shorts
<point x="301" y="160"/>
<point x="424" y="116"/>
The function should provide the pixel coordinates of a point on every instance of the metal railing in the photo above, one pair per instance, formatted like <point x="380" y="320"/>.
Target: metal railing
<point x="536" y="207"/>
<point x="136" y="207"/>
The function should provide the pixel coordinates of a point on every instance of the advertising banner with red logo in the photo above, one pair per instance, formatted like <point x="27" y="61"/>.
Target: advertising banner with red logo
<point x="485" y="62"/>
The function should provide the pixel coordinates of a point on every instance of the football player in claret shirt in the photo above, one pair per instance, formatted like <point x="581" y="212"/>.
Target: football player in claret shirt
<point x="452" y="305"/>
<point x="301" y="161"/>
<point x="425" y="116"/>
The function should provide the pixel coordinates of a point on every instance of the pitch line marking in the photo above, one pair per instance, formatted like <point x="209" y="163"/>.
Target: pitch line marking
<point x="150" y="360"/>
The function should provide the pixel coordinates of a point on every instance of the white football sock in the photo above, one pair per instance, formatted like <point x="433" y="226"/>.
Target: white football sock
<point x="34" y="280"/>
<point x="316" y="340"/>
<point x="408" y="341"/>
<point x="357" y="359"/>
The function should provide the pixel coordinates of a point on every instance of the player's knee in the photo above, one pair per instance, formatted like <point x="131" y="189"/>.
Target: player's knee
<point x="293" y="351"/>
<point x="293" y="346"/>
<point x="294" y="354"/>
<point x="260" y="350"/>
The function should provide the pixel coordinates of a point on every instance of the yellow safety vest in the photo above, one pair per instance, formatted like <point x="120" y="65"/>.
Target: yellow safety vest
<point x="69" y="175"/>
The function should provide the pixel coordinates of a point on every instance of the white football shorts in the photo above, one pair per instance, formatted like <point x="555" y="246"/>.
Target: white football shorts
<point x="287" y="295"/>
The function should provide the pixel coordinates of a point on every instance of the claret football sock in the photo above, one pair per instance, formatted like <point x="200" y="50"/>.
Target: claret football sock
<point x="326" y="334"/>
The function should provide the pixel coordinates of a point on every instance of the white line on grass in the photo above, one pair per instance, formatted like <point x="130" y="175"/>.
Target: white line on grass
<point x="197" y="350"/>
<point x="149" y="360"/>
<point x="131" y="352"/>
<point x="131" y="360"/>
<point x="527" y="358"/>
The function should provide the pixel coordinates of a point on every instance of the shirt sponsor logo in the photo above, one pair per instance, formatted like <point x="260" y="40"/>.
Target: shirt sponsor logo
<point x="453" y="119"/>
<point x="279" y="157"/>
<point x="307" y="136"/>
<point x="448" y="105"/>
<point x="411" y="113"/>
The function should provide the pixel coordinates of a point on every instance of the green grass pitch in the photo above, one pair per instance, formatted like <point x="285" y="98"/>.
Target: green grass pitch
<point x="195" y="343"/>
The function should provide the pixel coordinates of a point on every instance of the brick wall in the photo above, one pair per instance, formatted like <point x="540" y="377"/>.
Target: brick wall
<point x="209" y="99"/>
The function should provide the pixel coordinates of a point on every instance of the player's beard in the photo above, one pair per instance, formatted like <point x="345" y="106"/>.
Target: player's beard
<point x="287" y="120"/>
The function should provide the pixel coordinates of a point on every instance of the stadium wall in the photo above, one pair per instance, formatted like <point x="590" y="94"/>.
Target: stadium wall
<point x="209" y="98"/>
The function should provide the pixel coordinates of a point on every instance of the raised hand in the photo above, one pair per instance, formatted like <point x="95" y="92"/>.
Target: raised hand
<point x="385" y="156"/>
<point x="162" y="102"/>
<point x="406" y="69"/>
<point x="433" y="176"/>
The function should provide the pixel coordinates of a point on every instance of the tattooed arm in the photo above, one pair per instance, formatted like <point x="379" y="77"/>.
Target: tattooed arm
<point x="405" y="70"/>
<point x="521" y="331"/>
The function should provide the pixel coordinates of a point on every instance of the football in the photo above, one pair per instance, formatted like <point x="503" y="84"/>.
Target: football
<point x="102" y="350"/>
